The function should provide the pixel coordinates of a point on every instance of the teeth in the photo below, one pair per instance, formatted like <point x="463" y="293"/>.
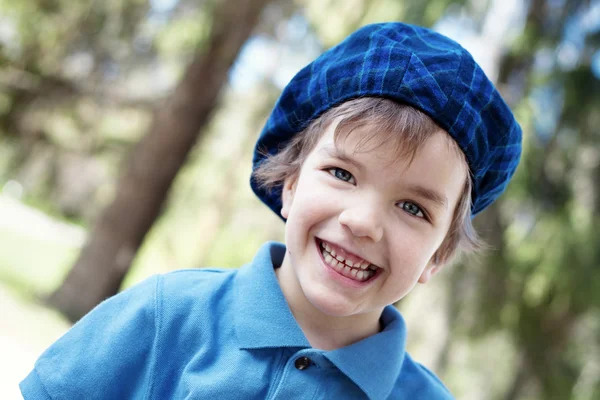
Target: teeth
<point x="360" y="271"/>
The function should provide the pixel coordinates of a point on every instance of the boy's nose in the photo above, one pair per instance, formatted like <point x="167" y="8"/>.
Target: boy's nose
<point x="363" y="221"/>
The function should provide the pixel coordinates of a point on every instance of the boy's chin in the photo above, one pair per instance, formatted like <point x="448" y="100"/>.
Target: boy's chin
<point x="336" y="307"/>
<point x="333" y="310"/>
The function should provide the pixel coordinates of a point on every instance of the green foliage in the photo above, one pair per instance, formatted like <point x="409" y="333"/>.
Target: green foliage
<point x="185" y="35"/>
<point x="335" y="19"/>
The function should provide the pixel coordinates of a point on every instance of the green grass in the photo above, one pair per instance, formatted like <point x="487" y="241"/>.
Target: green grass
<point x="29" y="268"/>
<point x="33" y="266"/>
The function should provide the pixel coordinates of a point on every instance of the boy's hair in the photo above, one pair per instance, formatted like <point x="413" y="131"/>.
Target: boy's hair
<point x="401" y="126"/>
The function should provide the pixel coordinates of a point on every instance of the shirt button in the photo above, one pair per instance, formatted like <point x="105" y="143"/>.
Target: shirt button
<point x="302" y="363"/>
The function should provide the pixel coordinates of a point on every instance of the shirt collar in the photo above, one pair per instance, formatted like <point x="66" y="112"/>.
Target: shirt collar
<point x="374" y="363"/>
<point x="263" y="319"/>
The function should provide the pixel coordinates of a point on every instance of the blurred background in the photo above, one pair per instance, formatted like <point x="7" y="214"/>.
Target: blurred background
<point x="126" y="135"/>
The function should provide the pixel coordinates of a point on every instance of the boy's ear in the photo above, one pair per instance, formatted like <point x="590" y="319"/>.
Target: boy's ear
<point x="287" y="195"/>
<point x="432" y="268"/>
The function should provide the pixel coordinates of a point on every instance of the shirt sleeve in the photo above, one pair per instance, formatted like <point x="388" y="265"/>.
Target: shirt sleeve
<point x="108" y="354"/>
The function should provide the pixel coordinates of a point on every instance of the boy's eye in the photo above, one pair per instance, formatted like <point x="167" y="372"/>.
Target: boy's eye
<point x="412" y="209"/>
<point x="341" y="174"/>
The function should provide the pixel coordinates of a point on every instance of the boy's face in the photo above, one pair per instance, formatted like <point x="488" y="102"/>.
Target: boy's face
<point x="387" y="216"/>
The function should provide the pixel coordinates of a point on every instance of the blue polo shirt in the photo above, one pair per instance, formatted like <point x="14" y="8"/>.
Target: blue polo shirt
<point x="220" y="334"/>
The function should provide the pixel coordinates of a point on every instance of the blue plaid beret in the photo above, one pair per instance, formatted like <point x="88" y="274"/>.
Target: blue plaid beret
<point x="411" y="65"/>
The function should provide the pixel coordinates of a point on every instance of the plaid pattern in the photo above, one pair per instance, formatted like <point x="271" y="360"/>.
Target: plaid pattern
<point x="413" y="65"/>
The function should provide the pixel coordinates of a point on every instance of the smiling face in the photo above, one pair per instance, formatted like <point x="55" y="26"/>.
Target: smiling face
<point x="362" y="227"/>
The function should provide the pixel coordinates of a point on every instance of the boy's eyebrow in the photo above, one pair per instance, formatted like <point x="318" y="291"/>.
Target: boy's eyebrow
<point x="429" y="194"/>
<point x="334" y="152"/>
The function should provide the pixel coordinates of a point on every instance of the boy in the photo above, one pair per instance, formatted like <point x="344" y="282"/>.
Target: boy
<point x="377" y="155"/>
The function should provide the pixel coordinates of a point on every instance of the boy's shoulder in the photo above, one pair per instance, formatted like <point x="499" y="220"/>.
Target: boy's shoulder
<point x="195" y="285"/>
<point x="197" y="276"/>
<point x="417" y="381"/>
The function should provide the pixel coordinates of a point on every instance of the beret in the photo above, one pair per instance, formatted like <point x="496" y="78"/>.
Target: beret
<point x="411" y="65"/>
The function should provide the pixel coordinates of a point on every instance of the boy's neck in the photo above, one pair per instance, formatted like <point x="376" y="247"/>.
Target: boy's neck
<point x="324" y="331"/>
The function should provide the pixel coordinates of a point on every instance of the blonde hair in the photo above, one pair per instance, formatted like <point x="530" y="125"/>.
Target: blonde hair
<point x="401" y="126"/>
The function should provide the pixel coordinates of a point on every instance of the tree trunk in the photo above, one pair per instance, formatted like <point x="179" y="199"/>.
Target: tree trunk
<point x="154" y="163"/>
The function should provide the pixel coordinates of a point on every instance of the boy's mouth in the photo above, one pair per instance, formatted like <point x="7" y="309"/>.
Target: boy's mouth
<point x="351" y="267"/>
